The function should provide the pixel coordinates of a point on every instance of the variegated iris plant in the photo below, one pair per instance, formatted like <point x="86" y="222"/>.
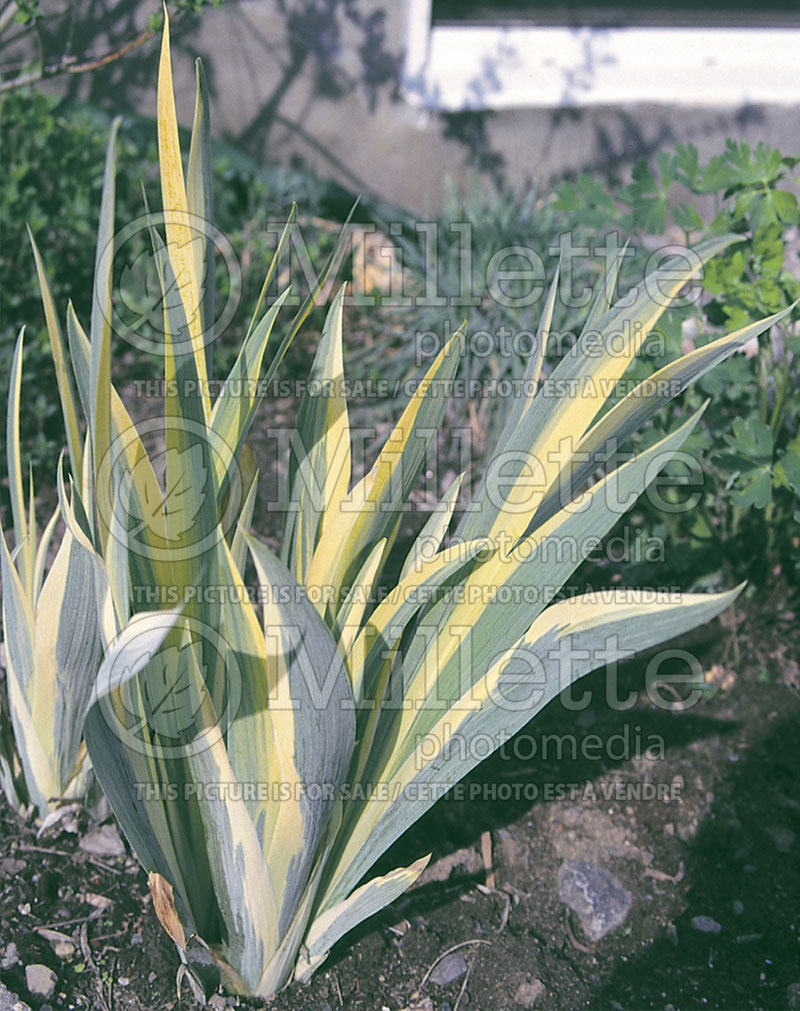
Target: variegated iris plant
<point x="262" y="754"/>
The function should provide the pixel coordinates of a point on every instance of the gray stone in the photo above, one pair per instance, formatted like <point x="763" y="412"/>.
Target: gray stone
<point x="40" y="980"/>
<point x="782" y="837"/>
<point x="529" y="993"/>
<point x="10" y="1002"/>
<point x="706" y="925"/>
<point x="103" y="842"/>
<point x="596" y="895"/>
<point x="11" y="956"/>
<point x="450" y="968"/>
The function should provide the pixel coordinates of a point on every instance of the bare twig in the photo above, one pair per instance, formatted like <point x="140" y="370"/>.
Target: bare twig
<point x="69" y="65"/>
<point x="338" y="989"/>
<point x="104" y="866"/>
<point x="89" y="959"/>
<point x="467" y="974"/>
<point x="573" y="940"/>
<point x="651" y="872"/>
<point x="43" y="849"/>
<point x="95" y="915"/>
<point x="486" y="853"/>
<point x="506" y="897"/>
<point x="444" y="954"/>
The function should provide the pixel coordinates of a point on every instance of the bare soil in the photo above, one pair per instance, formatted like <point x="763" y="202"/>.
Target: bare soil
<point x="723" y="844"/>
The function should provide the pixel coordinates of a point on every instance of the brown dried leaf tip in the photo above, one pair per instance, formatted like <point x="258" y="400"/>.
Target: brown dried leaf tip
<point x="164" y="905"/>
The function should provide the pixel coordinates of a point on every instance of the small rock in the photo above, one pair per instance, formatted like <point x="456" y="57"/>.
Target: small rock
<point x="706" y="925"/>
<point x="10" y="1002"/>
<point x="151" y="978"/>
<point x="596" y="895"/>
<point x="62" y="944"/>
<point x="450" y="968"/>
<point x="98" y="901"/>
<point x="65" y="819"/>
<point x="528" y="993"/>
<point x="738" y="907"/>
<point x="40" y="980"/>
<point x="103" y="842"/>
<point x="11" y="957"/>
<point x="782" y="837"/>
<point x="12" y="867"/>
<point x="793" y="997"/>
<point x="217" y="1003"/>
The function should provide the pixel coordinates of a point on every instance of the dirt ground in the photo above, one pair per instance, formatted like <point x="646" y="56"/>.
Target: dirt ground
<point x="710" y="862"/>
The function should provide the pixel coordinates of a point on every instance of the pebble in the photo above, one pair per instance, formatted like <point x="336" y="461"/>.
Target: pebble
<point x="103" y="842"/>
<point x="529" y="993"/>
<point x="706" y="925"/>
<point x="63" y="949"/>
<point x="450" y="968"/>
<point x="596" y="895"/>
<point x="11" y="956"/>
<point x="40" y="980"/>
<point x="11" y="867"/>
<point x="782" y="837"/>
<point x="10" y="1002"/>
<point x="738" y="907"/>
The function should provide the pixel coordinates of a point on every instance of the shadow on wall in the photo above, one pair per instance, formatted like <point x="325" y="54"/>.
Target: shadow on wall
<point x="338" y="51"/>
<point x="318" y="85"/>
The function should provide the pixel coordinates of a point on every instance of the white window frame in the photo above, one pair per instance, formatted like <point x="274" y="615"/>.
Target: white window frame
<point x="453" y="68"/>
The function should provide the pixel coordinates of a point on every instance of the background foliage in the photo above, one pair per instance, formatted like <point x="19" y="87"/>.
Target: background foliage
<point x="749" y="441"/>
